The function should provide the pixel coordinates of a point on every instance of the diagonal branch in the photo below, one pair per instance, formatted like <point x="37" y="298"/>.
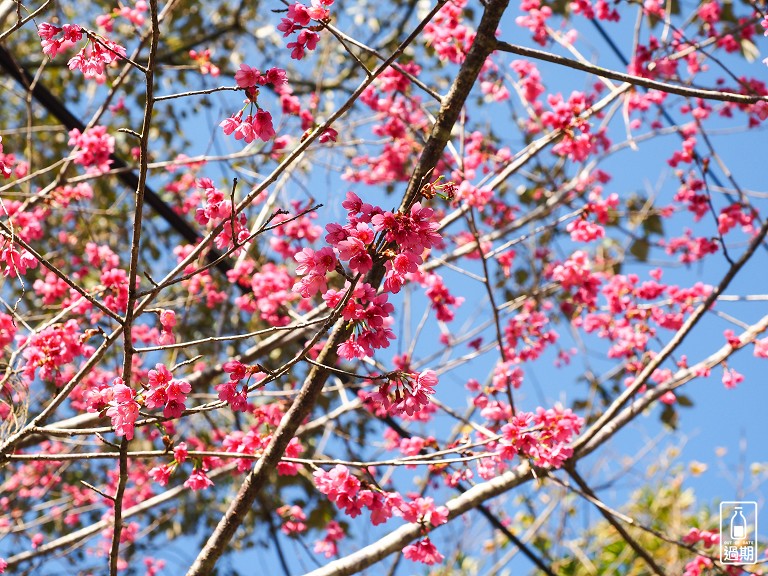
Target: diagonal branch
<point x="673" y="343"/>
<point x="125" y="174"/>
<point x="631" y="79"/>
<point x="305" y="401"/>
<point x="482" y="47"/>
<point x="637" y="547"/>
<point x="480" y="493"/>
<point x="396" y="540"/>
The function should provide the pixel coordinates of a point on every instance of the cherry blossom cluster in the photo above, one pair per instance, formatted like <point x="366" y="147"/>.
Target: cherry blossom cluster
<point x="412" y="234"/>
<point x="217" y="208"/>
<point x="585" y="230"/>
<point x="122" y="408"/>
<point x="16" y="261"/>
<point x="197" y="480"/>
<point x="575" y="275"/>
<point x="166" y="392"/>
<point x="400" y="118"/>
<point x="134" y="15"/>
<point x="229" y="392"/>
<point x="271" y="289"/>
<point x="600" y="10"/>
<point x="49" y="353"/>
<point x="369" y="314"/>
<point x="736" y="214"/>
<point x="328" y="544"/>
<point x="203" y="61"/>
<point x="289" y="234"/>
<point x="258" y="125"/>
<point x="528" y="333"/>
<point x="404" y="393"/>
<point x="700" y="564"/>
<point x="258" y="437"/>
<point x="448" y="35"/>
<point x="314" y="266"/>
<point x="7" y="330"/>
<point x="543" y="436"/>
<point x="481" y="157"/>
<point x="351" y="496"/>
<point x="409" y="234"/>
<point x="535" y="19"/>
<point x="442" y="301"/>
<point x="7" y="162"/>
<point x="530" y="81"/>
<point x="97" y="53"/>
<point x="95" y="147"/>
<point x="27" y="225"/>
<point x="578" y="141"/>
<point x="64" y="195"/>
<point x="293" y="518"/>
<point x="706" y="537"/>
<point x="731" y="378"/>
<point x="689" y="248"/>
<point x="167" y="323"/>
<point x="298" y="20"/>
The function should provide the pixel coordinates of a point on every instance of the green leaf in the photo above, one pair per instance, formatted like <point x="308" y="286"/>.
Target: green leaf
<point x="669" y="417"/>
<point x="653" y="225"/>
<point x="640" y="249"/>
<point x="684" y="400"/>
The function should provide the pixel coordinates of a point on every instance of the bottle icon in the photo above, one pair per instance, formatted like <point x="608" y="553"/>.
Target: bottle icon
<point x="738" y="524"/>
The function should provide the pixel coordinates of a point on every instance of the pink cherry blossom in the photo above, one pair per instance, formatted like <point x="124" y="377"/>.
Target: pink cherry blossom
<point x="247" y="76"/>
<point x="423" y="551"/>
<point x="123" y="409"/>
<point x="198" y="480"/>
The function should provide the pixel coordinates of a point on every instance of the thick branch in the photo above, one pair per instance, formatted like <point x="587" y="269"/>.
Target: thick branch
<point x="396" y="540"/>
<point x="482" y="47"/>
<point x="304" y="402"/>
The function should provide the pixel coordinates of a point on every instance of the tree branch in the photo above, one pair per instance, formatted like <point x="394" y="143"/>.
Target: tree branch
<point x="629" y="78"/>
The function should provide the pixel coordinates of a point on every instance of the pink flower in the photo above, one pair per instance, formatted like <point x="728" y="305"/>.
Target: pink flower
<point x="168" y="319"/>
<point x="52" y="45"/>
<point x="293" y="519"/>
<point x="123" y="409"/>
<point x="161" y="474"/>
<point x="95" y="148"/>
<point x="298" y="13"/>
<point x="262" y="125"/>
<point x="231" y="124"/>
<point x="244" y="131"/>
<point x="92" y="59"/>
<point x="198" y="480"/>
<point x="180" y="452"/>
<point x="159" y="376"/>
<point x="311" y="262"/>
<point x="236" y="370"/>
<point x="167" y="392"/>
<point x="545" y="436"/>
<point x="328" y="135"/>
<point x="761" y="348"/>
<point x="424" y="510"/>
<point x="247" y="76"/>
<point x="731" y="378"/>
<point x="229" y="393"/>
<point x="423" y="551"/>
<point x="277" y="77"/>
<point x="16" y="263"/>
<point x="327" y="546"/>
